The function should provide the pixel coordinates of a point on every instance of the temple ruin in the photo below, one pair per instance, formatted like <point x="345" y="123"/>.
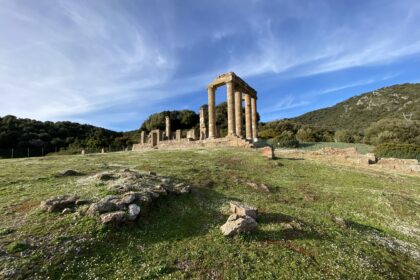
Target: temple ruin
<point x="207" y="135"/>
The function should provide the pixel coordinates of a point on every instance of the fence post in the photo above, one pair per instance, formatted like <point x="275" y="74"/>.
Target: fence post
<point x="12" y="153"/>
<point x="42" y="151"/>
<point x="28" y="151"/>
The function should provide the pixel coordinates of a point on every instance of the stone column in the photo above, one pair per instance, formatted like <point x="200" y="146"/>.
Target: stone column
<point x="212" y="112"/>
<point x="254" y="119"/>
<point x="238" y="113"/>
<point x="168" y="127"/>
<point x="143" y="137"/>
<point x="230" y="109"/>
<point x="248" y="120"/>
<point x="203" y="128"/>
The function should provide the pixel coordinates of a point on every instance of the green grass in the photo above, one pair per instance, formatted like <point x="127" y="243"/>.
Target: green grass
<point x="181" y="238"/>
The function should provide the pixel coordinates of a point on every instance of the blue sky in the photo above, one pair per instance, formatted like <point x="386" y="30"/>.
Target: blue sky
<point x="112" y="63"/>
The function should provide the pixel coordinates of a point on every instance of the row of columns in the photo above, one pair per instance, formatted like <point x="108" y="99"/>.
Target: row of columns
<point x="234" y="108"/>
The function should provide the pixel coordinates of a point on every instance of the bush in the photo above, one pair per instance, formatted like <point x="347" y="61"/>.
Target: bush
<point x="285" y="140"/>
<point x="405" y="151"/>
<point x="306" y="134"/>
<point x="344" y="136"/>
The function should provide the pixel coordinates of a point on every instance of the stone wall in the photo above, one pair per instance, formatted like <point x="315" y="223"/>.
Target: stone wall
<point x="187" y="143"/>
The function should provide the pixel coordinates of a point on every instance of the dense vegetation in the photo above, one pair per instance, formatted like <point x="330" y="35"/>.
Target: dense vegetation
<point x="397" y="151"/>
<point x="44" y="137"/>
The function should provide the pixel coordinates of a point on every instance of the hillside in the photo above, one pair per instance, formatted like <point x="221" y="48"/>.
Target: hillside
<point x="44" y="137"/>
<point x="357" y="113"/>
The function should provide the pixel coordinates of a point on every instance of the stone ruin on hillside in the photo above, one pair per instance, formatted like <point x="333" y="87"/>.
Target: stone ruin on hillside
<point x="208" y="135"/>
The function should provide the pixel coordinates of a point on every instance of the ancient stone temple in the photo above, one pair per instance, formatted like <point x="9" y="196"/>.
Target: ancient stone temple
<point x="237" y="91"/>
<point x="239" y="135"/>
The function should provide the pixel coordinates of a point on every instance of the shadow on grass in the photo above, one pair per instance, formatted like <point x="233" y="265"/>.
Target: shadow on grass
<point x="289" y="228"/>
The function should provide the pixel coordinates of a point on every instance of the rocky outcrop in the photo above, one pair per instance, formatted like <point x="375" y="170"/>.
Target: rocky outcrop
<point x="134" y="193"/>
<point x="241" y="221"/>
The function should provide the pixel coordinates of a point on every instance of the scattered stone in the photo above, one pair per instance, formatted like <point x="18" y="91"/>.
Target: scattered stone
<point x="340" y="221"/>
<point x="136" y="191"/>
<point x="59" y="203"/>
<point x="133" y="211"/>
<point x="114" y="218"/>
<point x="258" y="187"/>
<point x="238" y="224"/>
<point x="66" y="211"/>
<point x="242" y="209"/>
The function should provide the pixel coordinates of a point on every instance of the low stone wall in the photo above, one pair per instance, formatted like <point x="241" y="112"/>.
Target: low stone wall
<point x="409" y="165"/>
<point x="352" y="157"/>
<point x="187" y="143"/>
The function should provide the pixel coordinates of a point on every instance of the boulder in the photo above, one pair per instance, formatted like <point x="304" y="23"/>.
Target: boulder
<point x="128" y="198"/>
<point x="58" y="204"/>
<point x="114" y="218"/>
<point x="243" y="210"/>
<point x="133" y="211"/>
<point x="107" y="204"/>
<point x="238" y="224"/>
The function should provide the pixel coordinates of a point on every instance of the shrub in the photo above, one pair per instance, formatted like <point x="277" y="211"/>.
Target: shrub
<point x="344" y="136"/>
<point x="407" y="151"/>
<point x="285" y="140"/>
<point x="306" y="134"/>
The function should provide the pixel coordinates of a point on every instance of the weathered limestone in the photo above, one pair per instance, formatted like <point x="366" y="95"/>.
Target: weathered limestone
<point x="212" y="112"/>
<point x="248" y="118"/>
<point x="230" y="109"/>
<point x="238" y="113"/>
<point x="143" y="137"/>
<point x="192" y="134"/>
<point x="168" y="128"/>
<point x="254" y="119"/>
<point x="203" y="128"/>
<point x="241" y="221"/>
<point x="178" y="135"/>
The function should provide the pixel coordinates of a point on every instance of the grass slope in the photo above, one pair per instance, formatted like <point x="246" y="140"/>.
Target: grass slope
<point x="181" y="237"/>
<point x="358" y="112"/>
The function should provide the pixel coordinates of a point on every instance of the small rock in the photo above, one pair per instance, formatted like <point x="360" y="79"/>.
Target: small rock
<point x="133" y="211"/>
<point x="243" y="210"/>
<point x="237" y="224"/>
<point x="286" y="226"/>
<point x="185" y="190"/>
<point x="59" y="203"/>
<point x="152" y="173"/>
<point x="128" y="198"/>
<point x="66" y="211"/>
<point x="105" y="205"/>
<point x="114" y="218"/>
<point x="340" y="221"/>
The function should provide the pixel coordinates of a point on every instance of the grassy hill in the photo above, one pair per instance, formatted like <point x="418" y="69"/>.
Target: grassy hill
<point x="181" y="238"/>
<point x="357" y="113"/>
